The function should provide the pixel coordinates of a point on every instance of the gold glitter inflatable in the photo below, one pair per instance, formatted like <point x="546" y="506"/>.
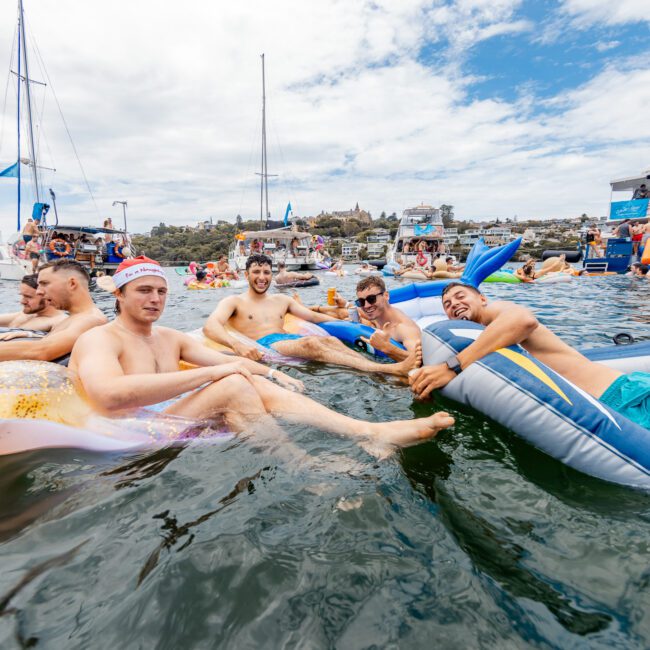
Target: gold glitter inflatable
<point x="39" y="390"/>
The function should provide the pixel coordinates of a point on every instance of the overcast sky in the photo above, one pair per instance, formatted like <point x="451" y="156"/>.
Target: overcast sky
<point x="499" y="107"/>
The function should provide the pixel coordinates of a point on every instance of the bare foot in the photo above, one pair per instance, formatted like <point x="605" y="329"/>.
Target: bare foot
<point x="385" y="436"/>
<point x="296" y="297"/>
<point x="414" y="360"/>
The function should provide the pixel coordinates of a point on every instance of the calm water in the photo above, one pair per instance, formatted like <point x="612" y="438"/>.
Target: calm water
<point x="473" y="540"/>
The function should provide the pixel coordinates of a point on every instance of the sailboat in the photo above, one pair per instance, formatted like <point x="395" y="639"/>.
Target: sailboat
<point x="98" y="249"/>
<point x="280" y="244"/>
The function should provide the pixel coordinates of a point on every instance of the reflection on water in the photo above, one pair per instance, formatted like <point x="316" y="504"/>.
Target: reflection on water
<point x="473" y="540"/>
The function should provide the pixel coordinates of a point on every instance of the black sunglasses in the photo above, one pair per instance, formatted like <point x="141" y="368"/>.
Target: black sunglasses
<point x="371" y="300"/>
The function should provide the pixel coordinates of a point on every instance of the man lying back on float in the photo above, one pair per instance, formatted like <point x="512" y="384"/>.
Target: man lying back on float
<point x="37" y="316"/>
<point x="508" y="324"/>
<point x="64" y="284"/>
<point x="129" y="364"/>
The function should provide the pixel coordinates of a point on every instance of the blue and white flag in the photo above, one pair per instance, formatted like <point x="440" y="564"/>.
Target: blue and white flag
<point x="286" y="214"/>
<point x="10" y="172"/>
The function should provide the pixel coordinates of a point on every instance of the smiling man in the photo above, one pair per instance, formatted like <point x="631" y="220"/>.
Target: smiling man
<point x="38" y="315"/>
<point x="64" y="284"/>
<point x="391" y="322"/>
<point x="129" y="363"/>
<point x="509" y="324"/>
<point x="260" y="316"/>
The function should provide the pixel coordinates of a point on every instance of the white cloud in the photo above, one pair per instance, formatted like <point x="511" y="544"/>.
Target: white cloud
<point x="617" y="12"/>
<point x="604" y="46"/>
<point x="165" y="106"/>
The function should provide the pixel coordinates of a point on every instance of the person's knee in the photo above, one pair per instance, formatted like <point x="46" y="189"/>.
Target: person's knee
<point x="312" y="344"/>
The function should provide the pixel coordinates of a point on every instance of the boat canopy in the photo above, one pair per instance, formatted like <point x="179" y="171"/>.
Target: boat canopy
<point x="631" y="183"/>
<point x="86" y="229"/>
<point x="278" y="233"/>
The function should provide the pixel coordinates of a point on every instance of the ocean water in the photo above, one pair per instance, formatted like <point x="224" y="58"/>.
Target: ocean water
<point x="473" y="540"/>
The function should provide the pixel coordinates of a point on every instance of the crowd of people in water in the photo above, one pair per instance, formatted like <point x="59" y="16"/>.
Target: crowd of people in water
<point x="127" y="363"/>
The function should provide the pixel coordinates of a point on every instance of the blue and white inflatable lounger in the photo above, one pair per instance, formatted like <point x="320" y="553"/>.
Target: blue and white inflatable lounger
<point x="521" y="393"/>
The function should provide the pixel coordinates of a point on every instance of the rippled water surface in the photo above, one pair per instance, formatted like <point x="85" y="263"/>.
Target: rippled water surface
<point x="473" y="540"/>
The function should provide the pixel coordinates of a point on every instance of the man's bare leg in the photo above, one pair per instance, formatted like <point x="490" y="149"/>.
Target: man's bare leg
<point x="299" y="408"/>
<point x="330" y="350"/>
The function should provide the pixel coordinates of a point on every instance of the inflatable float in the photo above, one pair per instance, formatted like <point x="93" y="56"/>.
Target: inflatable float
<point x="508" y="277"/>
<point x="521" y="393"/>
<point x="40" y="407"/>
<point x="297" y="284"/>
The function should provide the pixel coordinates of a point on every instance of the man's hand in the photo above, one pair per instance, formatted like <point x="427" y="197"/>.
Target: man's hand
<point x="428" y="378"/>
<point x="380" y="339"/>
<point x="226" y="369"/>
<point x="9" y="336"/>
<point x="247" y="351"/>
<point x="289" y="382"/>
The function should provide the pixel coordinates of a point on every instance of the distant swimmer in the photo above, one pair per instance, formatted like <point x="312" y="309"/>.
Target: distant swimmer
<point x="509" y="324"/>
<point x="64" y="285"/>
<point x="527" y="272"/>
<point x="129" y="364"/>
<point x="374" y="302"/>
<point x="289" y="277"/>
<point x="37" y="314"/>
<point x="260" y="316"/>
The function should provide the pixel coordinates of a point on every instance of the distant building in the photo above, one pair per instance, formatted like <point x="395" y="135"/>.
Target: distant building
<point x="350" y="250"/>
<point x="379" y="235"/>
<point x="346" y="215"/>
<point x="491" y="236"/>
<point x="376" y="250"/>
<point x="206" y="225"/>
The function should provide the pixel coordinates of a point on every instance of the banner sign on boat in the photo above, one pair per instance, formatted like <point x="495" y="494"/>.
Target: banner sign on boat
<point x="636" y="209"/>
<point x="428" y="229"/>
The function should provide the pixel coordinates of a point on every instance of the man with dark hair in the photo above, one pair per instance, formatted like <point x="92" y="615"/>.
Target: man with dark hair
<point x="37" y="316"/>
<point x="641" y="192"/>
<point x="390" y="322"/>
<point x="639" y="270"/>
<point x="64" y="285"/>
<point x="260" y="316"/>
<point x="129" y="364"/>
<point x="509" y="324"/>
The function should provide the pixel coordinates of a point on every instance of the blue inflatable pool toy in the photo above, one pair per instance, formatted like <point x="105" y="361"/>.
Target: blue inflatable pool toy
<point x="521" y="393"/>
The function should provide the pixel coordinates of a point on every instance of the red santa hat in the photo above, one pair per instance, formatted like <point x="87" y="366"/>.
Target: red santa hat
<point x="137" y="267"/>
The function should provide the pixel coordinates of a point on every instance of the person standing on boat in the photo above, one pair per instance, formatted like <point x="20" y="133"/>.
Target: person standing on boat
<point x="129" y="364"/>
<point x="30" y="231"/>
<point x="108" y="223"/>
<point x="260" y="316"/>
<point x="64" y="285"/>
<point x="33" y="253"/>
<point x="37" y="314"/>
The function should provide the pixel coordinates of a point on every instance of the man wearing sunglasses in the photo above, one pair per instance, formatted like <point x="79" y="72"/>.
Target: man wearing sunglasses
<point x="260" y="316"/>
<point x="391" y="322"/>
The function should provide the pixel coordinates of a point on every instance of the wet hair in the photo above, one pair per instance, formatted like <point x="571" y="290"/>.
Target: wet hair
<point x="453" y="285"/>
<point x="201" y="275"/>
<point x="371" y="281"/>
<point x="282" y="265"/>
<point x="642" y="268"/>
<point x="259" y="259"/>
<point x="30" y="280"/>
<point x="67" y="265"/>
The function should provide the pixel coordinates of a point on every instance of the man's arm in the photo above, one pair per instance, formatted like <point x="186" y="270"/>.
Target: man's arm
<point x="108" y="387"/>
<point x="215" y="329"/>
<point x="509" y="324"/>
<point x="300" y="311"/>
<point x="54" y="345"/>
<point x="5" y="319"/>
<point x="199" y="355"/>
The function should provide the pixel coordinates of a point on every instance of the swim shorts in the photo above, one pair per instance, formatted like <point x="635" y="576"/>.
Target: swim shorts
<point x="27" y="238"/>
<point x="268" y="340"/>
<point x="629" y="395"/>
<point x="34" y="256"/>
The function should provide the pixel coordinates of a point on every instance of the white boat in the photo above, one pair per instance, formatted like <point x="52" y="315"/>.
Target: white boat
<point x="281" y="245"/>
<point x="420" y="224"/>
<point x="97" y="249"/>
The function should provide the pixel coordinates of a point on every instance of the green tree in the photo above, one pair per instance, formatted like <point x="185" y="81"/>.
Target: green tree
<point x="447" y="214"/>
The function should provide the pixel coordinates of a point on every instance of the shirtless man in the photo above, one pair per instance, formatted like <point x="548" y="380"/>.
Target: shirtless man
<point x="222" y="269"/>
<point x="289" y="277"/>
<point x="508" y="324"/>
<point x="64" y="284"/>
<point x="391" y="323"/>
<point x="129" y="364"/>
<point x="30" y="231"/>
<point x="33" y="252"/>
<point x="37" y="314"/>
<point x="260" y="316"/>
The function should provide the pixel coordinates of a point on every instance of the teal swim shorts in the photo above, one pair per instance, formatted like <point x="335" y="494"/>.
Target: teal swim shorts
<point x="268" y="340"/>
<point x="629" y="395"/>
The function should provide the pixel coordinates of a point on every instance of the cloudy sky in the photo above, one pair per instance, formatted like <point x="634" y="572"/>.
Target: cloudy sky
<point x="499" y="107"/>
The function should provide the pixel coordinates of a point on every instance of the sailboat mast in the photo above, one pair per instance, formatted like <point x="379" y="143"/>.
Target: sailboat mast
<point x="20" y="9"/>
<point x="262" y="170"/>
<point x="28" y="97"/>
